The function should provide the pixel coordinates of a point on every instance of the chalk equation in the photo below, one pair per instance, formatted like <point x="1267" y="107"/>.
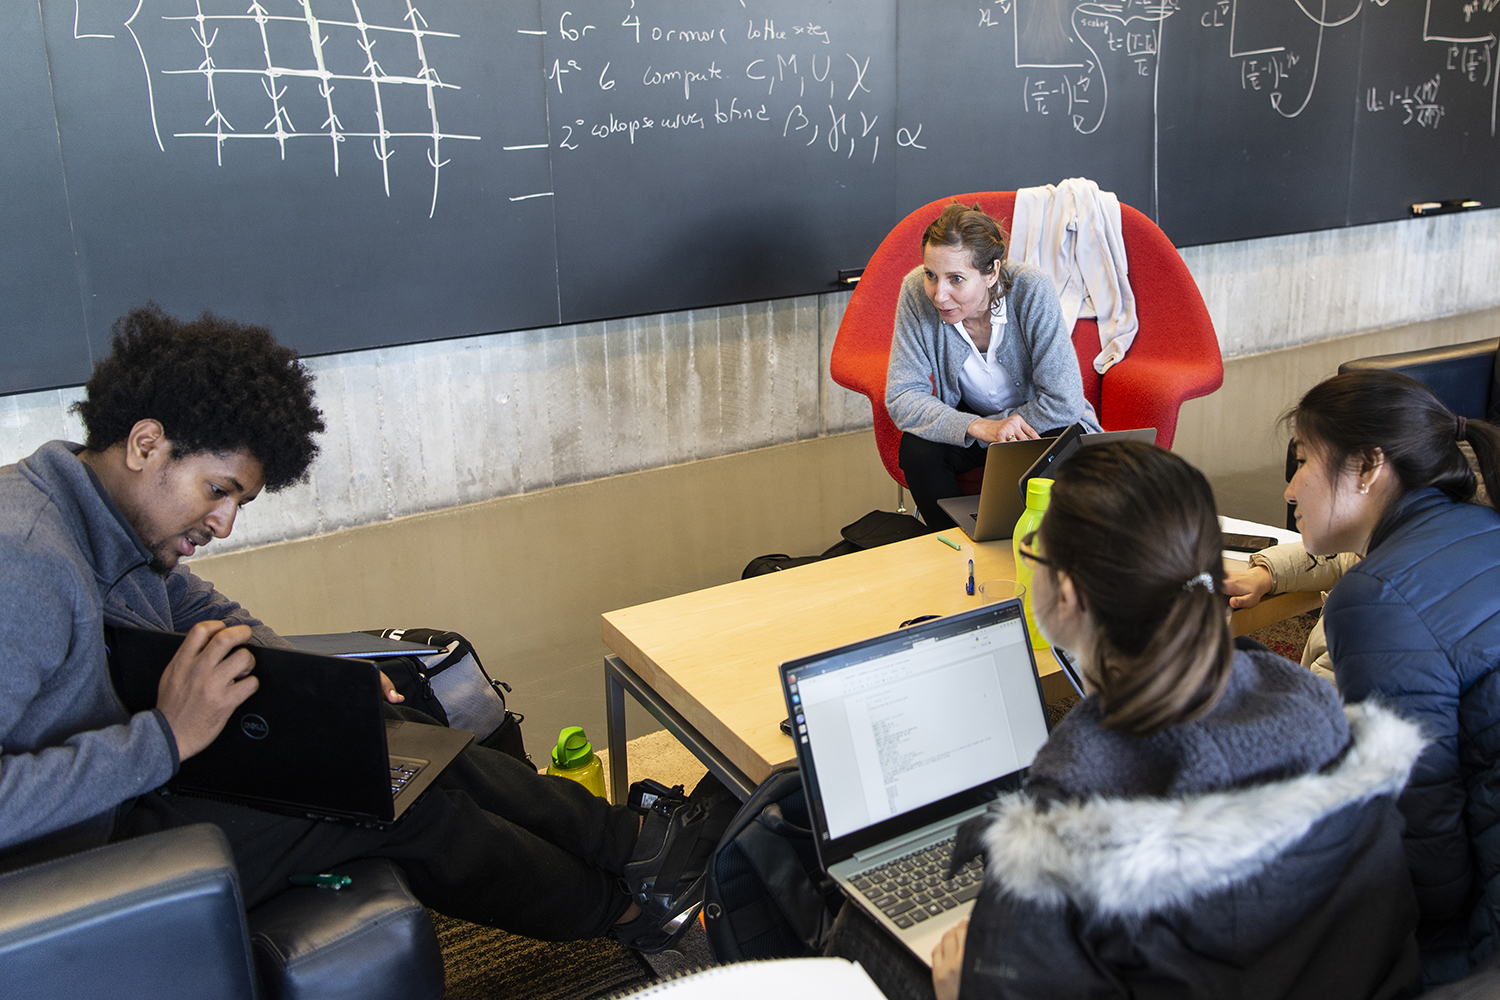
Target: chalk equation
<point x="737" y="68"/>
<point x="1070" y="51"/>
<point x="1282" y="60"/>
<point x="297" y="71"/>
<point x="1417" y="105"/>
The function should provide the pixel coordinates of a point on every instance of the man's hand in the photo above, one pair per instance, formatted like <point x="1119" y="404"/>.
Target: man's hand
<point x="389" y="690"/>
<point x="207" y="680"/>
<point x="1012" y="428"/>
<point x="948" y="962"/>
<point x="1246" y="587"/>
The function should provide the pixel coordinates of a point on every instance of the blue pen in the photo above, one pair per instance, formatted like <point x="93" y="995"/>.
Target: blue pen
<point x="969" y="587"/>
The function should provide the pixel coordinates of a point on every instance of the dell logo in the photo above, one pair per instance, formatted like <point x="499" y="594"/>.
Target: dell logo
<point x="254" y="727"/>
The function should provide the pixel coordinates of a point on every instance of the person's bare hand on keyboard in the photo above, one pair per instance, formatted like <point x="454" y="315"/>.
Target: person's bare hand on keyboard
<point x="948" y="962"/>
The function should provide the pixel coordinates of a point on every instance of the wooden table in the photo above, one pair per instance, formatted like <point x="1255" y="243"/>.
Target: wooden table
<point x="705" y="663"/>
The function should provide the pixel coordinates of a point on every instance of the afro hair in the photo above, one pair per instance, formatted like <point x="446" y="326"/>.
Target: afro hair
<point x="214" y="385"/>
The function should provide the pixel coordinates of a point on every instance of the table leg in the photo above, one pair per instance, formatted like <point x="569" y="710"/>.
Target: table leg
<point x="614" y="714"/>
<point x="618" y="679"/>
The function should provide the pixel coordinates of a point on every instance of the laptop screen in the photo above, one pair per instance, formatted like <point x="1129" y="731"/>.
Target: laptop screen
<point x="889" y="727"/>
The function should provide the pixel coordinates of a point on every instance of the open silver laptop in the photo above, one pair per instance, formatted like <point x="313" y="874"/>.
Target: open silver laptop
<point x="901" y="739"/>
<point x="1008" y="466"/>
<point x="993" y="513"/>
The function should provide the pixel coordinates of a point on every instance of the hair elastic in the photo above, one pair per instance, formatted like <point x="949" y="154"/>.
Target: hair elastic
<point x="1203" y="580"/>
<point x="1463" y="427"/>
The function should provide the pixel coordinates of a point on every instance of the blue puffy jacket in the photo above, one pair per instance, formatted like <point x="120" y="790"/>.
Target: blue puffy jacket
<point x="1417" y="624"/>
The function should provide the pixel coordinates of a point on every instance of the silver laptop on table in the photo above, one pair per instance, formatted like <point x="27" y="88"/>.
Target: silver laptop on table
<point x="901" y="739"/>
<point x="1008" y="466"/>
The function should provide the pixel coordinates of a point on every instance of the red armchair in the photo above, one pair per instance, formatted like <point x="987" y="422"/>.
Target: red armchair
<point x="1175" y="355"/>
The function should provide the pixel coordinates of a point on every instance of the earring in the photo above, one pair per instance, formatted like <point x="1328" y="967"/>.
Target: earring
<point x="1364" y="488"/>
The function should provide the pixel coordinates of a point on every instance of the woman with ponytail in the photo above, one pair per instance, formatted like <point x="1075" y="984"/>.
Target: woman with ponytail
<point x="1207" y="821"/>
<point x="1416" y="624"/>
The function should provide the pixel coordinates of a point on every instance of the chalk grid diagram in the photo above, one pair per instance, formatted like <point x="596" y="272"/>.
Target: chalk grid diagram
<point x="288" y="71"/>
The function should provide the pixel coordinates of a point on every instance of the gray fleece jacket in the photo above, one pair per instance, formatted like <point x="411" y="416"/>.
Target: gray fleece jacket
<point x="922" y="390"/>
<point x="69" y="563"/>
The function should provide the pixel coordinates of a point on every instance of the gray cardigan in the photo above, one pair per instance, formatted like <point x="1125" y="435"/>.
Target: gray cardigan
<point x="69" y="562"/>
<point x="921" y="385"/>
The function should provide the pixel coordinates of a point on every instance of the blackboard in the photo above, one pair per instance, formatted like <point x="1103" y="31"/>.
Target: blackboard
<point x="359" y="173"/>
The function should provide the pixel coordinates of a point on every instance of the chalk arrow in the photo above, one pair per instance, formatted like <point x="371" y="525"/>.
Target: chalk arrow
<point x="414" y="16"/>
<point x="434" y="163"/>
<point x="382" y="157"/>
<point x="258" y="11"/>
<point x="218" y="116"/>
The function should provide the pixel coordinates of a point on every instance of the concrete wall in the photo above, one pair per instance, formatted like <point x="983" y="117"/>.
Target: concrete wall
<point x="430" y="426"/>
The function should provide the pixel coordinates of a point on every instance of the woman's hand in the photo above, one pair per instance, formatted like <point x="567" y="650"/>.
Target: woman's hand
<point x="1012" y="428"/>
<point x="948" y="963"/>
<point x="1246" y="587"/>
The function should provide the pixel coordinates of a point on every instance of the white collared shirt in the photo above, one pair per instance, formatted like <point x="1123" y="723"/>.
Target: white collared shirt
<point x="984" y="383"/>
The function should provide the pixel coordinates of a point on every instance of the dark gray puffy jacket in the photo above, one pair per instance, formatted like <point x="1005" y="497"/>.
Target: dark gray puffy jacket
<point x="1128" y="868"/>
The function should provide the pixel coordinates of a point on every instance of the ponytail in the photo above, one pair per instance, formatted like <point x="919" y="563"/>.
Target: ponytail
<point x="1135" y="528"/>
<point x="1484" y="438"/>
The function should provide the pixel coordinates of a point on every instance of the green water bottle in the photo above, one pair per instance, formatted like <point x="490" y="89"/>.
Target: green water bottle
<point x="1038" y="496"/>
<point x="574" y="758"/>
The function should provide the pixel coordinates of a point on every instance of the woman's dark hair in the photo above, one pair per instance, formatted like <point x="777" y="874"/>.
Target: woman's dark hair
<point x="213" y="385"/>
<point x="982" y="237"/>
<point x="1135" y="528"/>
<point x="1346" y="418"/>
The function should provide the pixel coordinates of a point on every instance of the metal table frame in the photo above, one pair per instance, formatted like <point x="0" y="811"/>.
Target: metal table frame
<point x="618" y="679"/>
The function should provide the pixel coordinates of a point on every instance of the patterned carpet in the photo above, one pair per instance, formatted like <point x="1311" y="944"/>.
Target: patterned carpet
<point x="481" y="963"/>
<point x="1288" y="637"/>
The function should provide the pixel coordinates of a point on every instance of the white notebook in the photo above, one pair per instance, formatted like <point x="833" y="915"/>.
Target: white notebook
<point x="784" y="979"/>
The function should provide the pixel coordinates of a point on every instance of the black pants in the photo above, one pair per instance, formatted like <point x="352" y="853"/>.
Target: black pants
<point x="932" y="469"/>
<point x="491" y="842"/>
<point x="895" y="970"/>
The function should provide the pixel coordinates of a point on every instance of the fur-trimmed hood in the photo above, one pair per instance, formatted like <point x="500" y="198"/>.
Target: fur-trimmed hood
<point x="1134" y="857"/>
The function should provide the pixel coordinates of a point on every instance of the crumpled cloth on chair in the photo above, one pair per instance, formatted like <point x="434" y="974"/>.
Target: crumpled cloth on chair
<point x="1072" y="231"/>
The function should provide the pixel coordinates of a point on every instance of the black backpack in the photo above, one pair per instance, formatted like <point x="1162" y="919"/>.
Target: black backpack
<point x="766" y="896"/>
<point x="455" y="689"/>
<point x="876" y="528"/>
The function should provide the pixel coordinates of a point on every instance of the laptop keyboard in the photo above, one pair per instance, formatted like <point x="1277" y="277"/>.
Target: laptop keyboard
<point x="911" y="889"/>
<point x="403" y="770"/>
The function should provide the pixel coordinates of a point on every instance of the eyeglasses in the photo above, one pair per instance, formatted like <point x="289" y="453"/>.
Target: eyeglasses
<point x="1031" y="558"/>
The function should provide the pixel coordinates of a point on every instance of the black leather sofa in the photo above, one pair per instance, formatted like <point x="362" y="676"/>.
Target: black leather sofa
<point x="161" y="916"/>
<point x="1463" y="376"/>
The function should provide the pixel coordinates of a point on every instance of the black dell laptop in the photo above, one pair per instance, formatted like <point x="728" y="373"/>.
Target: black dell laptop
<point x="312" y="740"/>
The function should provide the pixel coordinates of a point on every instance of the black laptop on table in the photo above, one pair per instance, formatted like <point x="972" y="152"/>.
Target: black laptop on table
<point x="313" y="740"/>
<point x="901" y="739"/>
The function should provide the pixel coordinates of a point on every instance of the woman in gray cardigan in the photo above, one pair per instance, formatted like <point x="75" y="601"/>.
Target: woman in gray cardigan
<point x="979" y="355"/>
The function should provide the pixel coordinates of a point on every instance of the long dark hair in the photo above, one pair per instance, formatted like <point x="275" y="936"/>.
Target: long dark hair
<point x="1346" y="418"/>
<point x="980" y="236"/>
<point x="1135" y="528"/>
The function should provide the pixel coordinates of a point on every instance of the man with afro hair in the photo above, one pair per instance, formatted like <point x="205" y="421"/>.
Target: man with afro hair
<point x="186" y="423"/>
